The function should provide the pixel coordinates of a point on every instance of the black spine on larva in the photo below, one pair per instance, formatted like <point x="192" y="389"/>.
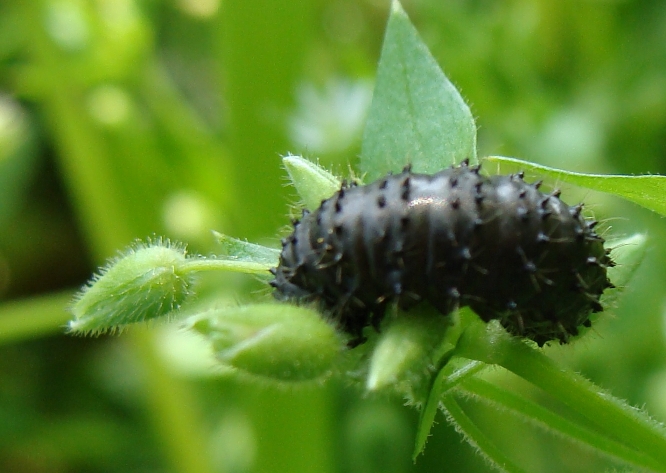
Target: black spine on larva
<point x="455" y="238"/>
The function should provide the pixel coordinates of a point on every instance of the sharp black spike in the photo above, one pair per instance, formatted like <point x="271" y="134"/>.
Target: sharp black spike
<point x="576" y="210"/>
<point x="530" y="267"/>
<point x="405" y="189"/>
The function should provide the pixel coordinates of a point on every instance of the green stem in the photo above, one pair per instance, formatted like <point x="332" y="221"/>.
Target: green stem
<point x="200" y="264"/>
<point x="446" y="379"/>
<point x="172" y="409"/>
<point x="491" y="344"/>
<point x="34" y="317"/>
<point x="484" y="446"/>
<point x="529" y="411"/>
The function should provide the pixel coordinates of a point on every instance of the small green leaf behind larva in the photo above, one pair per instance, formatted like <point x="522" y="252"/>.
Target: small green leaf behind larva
<point x="627" y="253"/>
<point x="144" y="283"/>
<point x="312" y="182"/>
<point x="239" y="250"/>
<point x="274" y="341"/>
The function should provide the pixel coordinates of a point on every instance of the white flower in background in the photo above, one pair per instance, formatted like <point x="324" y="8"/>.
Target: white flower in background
<point x="330" y="119"/>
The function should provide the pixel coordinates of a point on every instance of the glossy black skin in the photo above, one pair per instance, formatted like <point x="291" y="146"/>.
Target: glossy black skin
<point x="455" y="238"/>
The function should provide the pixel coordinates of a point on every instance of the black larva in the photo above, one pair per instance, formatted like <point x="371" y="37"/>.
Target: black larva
<point x="455" y="238"/>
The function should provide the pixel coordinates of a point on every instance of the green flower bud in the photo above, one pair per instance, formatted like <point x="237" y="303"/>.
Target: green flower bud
<point x="278" y="341"/>
<point x="407" y="351"/>
<point x="145" y="283"/>
<point x="312" y="182"/>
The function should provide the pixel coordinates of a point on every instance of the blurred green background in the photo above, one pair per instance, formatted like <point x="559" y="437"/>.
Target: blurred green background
<point x="122" y="119"/>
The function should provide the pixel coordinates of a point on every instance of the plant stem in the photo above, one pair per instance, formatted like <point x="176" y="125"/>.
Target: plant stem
<point x="529" y="411"/>
<point x="491" y="344"/>
<point x="34" y="317"/>
<point x="201" y="264"/>
<point x="445" y="380"/>
<point x="484" y="446"/>
<point x="172" y="409"/>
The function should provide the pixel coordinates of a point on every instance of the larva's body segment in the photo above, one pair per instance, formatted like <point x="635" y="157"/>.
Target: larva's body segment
<point x="455" y="238"/>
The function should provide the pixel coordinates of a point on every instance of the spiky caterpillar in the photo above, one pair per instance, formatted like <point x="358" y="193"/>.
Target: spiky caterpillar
<point x="455" y="238"/>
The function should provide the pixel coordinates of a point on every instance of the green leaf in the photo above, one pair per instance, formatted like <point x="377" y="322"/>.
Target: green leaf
<point x="647" y="191"/>
<point x="417" y="116"/>
<point x="627" y="253"/>
<point x="242" y="251"/>
<point x="312" y="182"/>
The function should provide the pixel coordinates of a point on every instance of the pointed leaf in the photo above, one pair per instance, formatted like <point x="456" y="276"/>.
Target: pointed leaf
<point x="647" y="191"/>
<point x="243" y="251"/>
<point x="417" y="116"/>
